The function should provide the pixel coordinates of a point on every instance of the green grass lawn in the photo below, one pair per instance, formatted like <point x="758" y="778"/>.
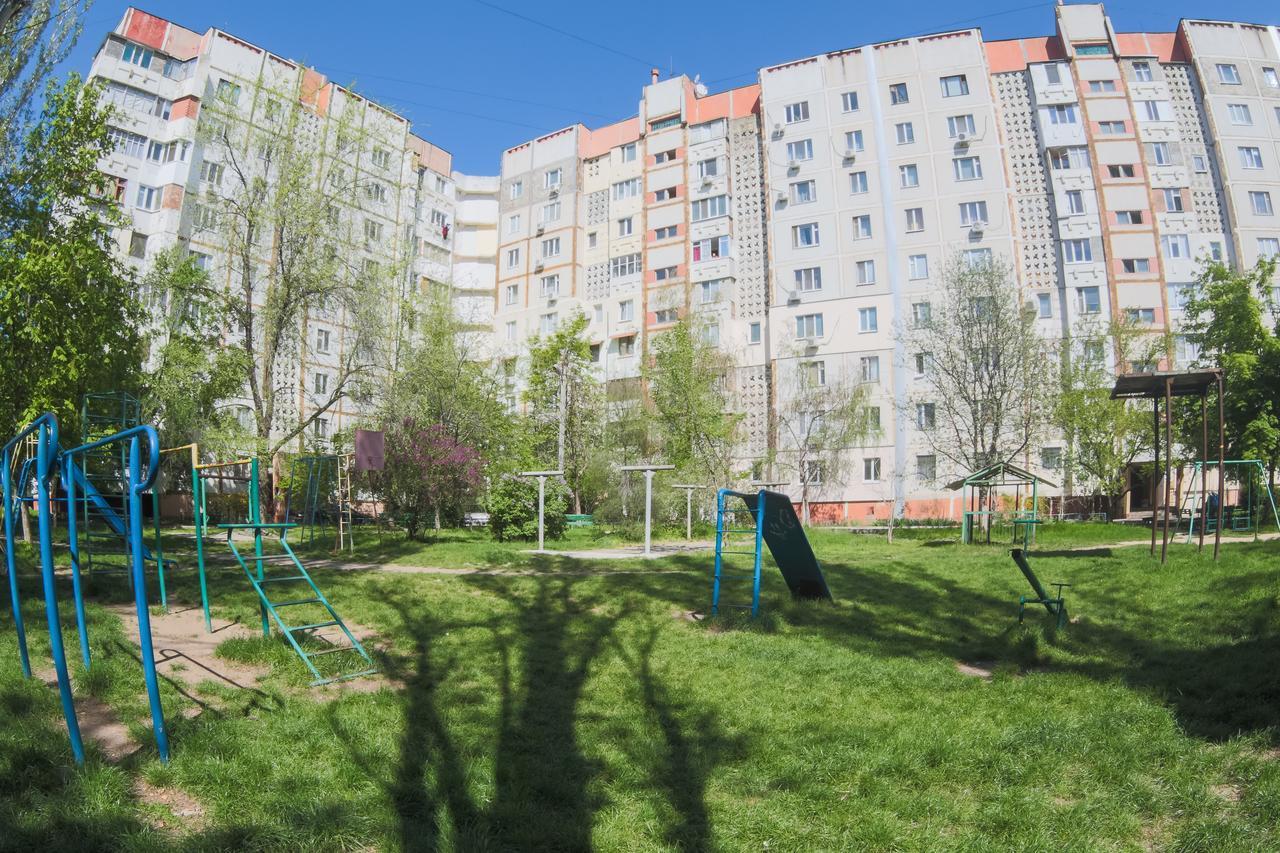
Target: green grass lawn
<point x="562" y="710"/>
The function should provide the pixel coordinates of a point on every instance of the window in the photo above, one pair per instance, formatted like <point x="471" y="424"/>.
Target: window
<point x="1250" y="158"/>
<point x="867" y="321"/>
<point x="1261" y="203"/>
<point x="1239" y="114"/>
<point x="1160" y="154"/>
<point x="375" y="191"/>
<point x="1270" y="77"/>
<point x="711" y="334"/>
<point x="957" y="125"/>
<point x="624" y="266"/>
<point x="869" y="368"/>
<point x="909" y="176"/>
<point x="629" y="152"/>
<point x="1111" y="128"/>
<point x="592" y="239"/>
<point x="813" y="373"/>
<point x="1200" y="163"/>
<point x="803" y="236"/>
<point x="665" y="273"/>
<point x="975" y="258"/>
<point x="320" y="382"/>
<point x="1102" y="85"/>
<point x="1088" y="301"/>
<point x="797" y="112"/>
<point x="711" y="247"/>
<point x="137" y="245"/>
<point x="926" y="415"/>
<point x="927" y="468"/>
<point x="664" y="194"/>
<point x="550" y="212"/>
<point x="921" y="363"/>
<point x="551" y="179"/>
<point x="917" y="267"/>
<point x="513" y="258"/>
<point x="898" y="93"/>
<point x="800" y="150"/>
<point x="551" y="247"/>
<point x="515" y="190"/>
<point x="808" y="279"/>
<point x="512" y="292"/>
<point x="804" y="192"/>
<point x="906" y="133"/>
<point x="871" y="470"/>
<point x="626" y="189"/>
<point x="549" y="286"/>
<point x="211" y="172"/>
<point x="812" y="473"/>
<point x="967" y="168"/>
<point x="1142" y="72"/>
<point x="809" y="326"/>
<point x="626" y="311"/>
<point x="1156" y="110"/>
<point x="857" y="182"/>
<point x="708" y="168"/>
<point x="664" y="156"/>
<point x="321" y="427"/>
<point x="1122" y="170"/>
<point x="865" y="272"/>
<point x="709" y="291"/>
<point x="1051" y="458"/>
<point x="1072" y="157"/>
<point x="849" y="102"/>
<point x="1173" y="200"/>
<point x="322" y="340"/>
<point x="147" y="198"/>
<point x="1176" y="246"/>
<point x="1079" y="251"/>
<point x="920" y="314"/>
<point x="228" y="91"/>
<point x="666" y="315"/>
<point x="1062" y="114"/>
<point x="709" y="208"/>
<point x="372" y="231"/>
<point x="1053" y="74"/>
<point x="954" y="86"/>
<point x="1228" y="73"/>
<point x="973" y="213"/>
<point x="915" y="219"/>
<point x="513" y="223"/>
<point x="1145" y="316"/>
<point x="1215" y="250"/>
<point x="136" y="54"/>
<point x="853" y="142"/>
<point x="862" y="227"/>
<point x="753" y="333"/>
<point x="1269" y="247"/>
<point x="626" y="226"/>
<point x="511" y="331"/>
<point x="128" y="144"/>
<point x="666" y="232"/>
<point x="380" y="156"/>
<point x="1075" y="201"/>
<point x="1129" y="217"/>
<point x="1136" y="265"/>
<point x="203" y="217"/>
<point x="1044" y="305"/>
<point x="547" y="323"/>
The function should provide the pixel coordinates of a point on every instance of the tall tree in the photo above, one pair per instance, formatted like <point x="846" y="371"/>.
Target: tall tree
<point x="68" y="316"/>
<point x="281" y="212"/>
<point x="564" y="400"/>
<point x="687" y="378"/>
<point x="986" y="371"/>
<point x="1233" y="318"/>
<point x="35" y="35"/>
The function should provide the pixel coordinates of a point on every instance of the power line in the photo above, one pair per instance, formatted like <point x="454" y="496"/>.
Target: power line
<point x="535" y="22"/>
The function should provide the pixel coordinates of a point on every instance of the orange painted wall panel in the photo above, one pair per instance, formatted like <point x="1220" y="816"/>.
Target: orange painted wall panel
<point x="146" y="29"/>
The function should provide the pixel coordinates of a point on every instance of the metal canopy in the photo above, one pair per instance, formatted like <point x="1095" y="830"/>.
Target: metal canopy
<point x="1149" y="386"/>
<point x="1001" y="474"/>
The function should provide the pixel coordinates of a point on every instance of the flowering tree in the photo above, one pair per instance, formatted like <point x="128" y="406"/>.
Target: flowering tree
<point x="429" y="474"/>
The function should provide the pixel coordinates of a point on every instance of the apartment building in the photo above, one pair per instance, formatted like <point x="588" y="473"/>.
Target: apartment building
<point x="474" y="272"/>
<point x="164" y="79"/>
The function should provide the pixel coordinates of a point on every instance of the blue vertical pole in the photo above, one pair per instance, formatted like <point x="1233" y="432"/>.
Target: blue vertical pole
<point x="755" y="584"/>
<point x="715" y="585"/>
<point x="10" y="563"/>
<point x="197" y="516"/>
<point x="255" y="517"/>
<point x="46" y="441"/>
<point x="140" y="593"/>
<point x="73" y="544"/>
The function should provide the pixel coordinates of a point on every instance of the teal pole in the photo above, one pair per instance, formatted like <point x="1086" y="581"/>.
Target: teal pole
<point x="155" y="519"/>
<point x="136" y="486"/>
<point x="198" y="518"/>
<point x="255" y="517"/>
<point x="73" y="545"/>
<point x="9" y="511"/>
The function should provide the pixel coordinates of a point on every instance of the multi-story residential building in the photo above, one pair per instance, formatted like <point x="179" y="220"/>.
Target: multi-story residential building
<point x="474" y="274"/>
<point x="162" y="77"/>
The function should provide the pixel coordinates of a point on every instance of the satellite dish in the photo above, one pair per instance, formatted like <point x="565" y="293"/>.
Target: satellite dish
<point x="699" y="88"/>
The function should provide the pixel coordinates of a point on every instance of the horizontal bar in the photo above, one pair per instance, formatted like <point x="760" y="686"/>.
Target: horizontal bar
<point x="295" y="602"/>
<point x="281" y="580"/>
<point x="206" y="466"/>
<point x="312" y="627"/>
<point x="262" y="526"/>
<point x="343" y="677"/>
<point x="324" y="652"/>
<point x="176" y="449"/>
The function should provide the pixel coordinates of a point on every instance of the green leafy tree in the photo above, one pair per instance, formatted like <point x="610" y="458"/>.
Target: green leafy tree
<point x="190" y="371"/>
<point x="1233" y="318"/>
<point x="35" y="35"/>
<point x="565" y="405"/>
<point x="67" y="306"/>
<point x="687" y="380"/>
<point x="513" y="508"/>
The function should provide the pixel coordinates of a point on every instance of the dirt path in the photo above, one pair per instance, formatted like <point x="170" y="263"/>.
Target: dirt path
<point x="1178" y="541"/>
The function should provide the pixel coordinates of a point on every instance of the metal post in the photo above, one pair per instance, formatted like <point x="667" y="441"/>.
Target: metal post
<point x="755" y="583"/>
<point x="1155" y="469"/>
<point x="648" y="508"/>
<point x="140" y="594"/>
<point x="1168" y="462"/>
<point x="542" y="489"/>
<point x="155" y="523"/>
<point x="73" y="546"/>
<point x="1222" y="438"/>
<point x="198" y="518"/>
<point x="6" y="476"/>
<point x="1204" y="462"/>
<point x="688" y="514"/>
<point x="255" y="517"/>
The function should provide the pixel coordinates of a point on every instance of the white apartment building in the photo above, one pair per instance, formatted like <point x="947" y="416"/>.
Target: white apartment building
<point x="474" y="273"/>
<point x="162" y="77"/>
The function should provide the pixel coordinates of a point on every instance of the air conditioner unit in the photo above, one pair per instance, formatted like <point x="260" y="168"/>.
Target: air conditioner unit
<point x="850" y="154"/>
<point x="555" y="192"/>
<point x="537" y="267"/>
<point x="551" y="300"/>
<point x="706" y="183"/>
<point x="977" y="228"/>
<point x="780" y="197"/>
<point x="793" y="298"/>
<point x="793" y="164"/>
<point x="777" y="128"/>
<point x="962" y="138"/>
<point x="541" y="228"/>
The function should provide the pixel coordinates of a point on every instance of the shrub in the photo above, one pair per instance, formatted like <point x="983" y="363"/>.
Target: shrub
<point x="513" y="508"/>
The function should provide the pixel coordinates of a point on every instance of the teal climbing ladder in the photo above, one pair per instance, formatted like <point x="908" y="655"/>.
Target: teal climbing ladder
<point x="308" y="596"/>
<point x="728" y="526"/>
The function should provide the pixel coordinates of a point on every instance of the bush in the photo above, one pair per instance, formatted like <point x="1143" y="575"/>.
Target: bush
<point x="513" y="509"/>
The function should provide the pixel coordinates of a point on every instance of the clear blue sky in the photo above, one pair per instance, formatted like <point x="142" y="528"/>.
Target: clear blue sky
<point x="521" y="79"/>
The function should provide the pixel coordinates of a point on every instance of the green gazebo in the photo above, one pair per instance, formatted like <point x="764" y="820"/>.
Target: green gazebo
<point x="979" y="495"/>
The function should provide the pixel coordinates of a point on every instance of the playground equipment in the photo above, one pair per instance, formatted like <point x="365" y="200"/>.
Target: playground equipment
<point x="52" y="462"/>
<point x="648" y="495"/>
<point x="542" y="496"/>
<point x="320" y="498"/>
<point x="979" y="496"/>
<point x="774" y="523"/>
<point x="1239" y="518"/>
<point x="1056" y="606"/>
<point x="688" y="507"/>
